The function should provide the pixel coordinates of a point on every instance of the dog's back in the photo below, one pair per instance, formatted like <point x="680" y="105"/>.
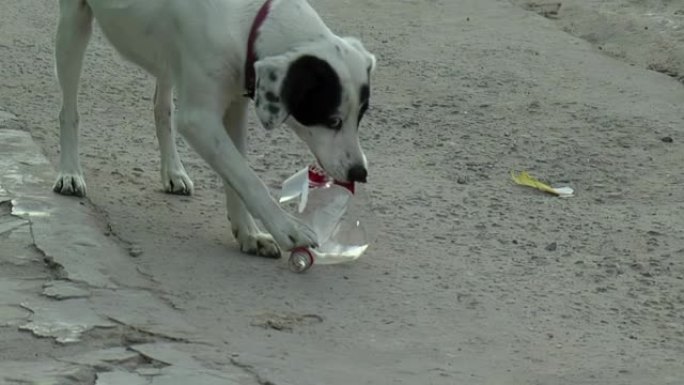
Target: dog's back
<point x="154" y="34"/>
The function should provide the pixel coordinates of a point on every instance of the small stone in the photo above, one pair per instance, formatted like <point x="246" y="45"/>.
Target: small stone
<point x="667" y="139"/>
<point x="552" y="246"/>
<point x="135" y="251"/>
<point x="462" y="180"/>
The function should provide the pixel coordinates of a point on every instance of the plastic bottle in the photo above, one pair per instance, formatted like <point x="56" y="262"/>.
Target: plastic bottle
<point x="330" y="209"/>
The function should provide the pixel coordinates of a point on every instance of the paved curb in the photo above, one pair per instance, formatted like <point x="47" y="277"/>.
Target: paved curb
<point x="90" y="283"/>
<point x="65" y="229"/>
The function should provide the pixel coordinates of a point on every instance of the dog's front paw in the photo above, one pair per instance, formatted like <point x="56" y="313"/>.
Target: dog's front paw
<point x="70" y="184"/>
<point x="291" y="233"/>
<point x="257" y="243"/>
<point x="177" y="181"/>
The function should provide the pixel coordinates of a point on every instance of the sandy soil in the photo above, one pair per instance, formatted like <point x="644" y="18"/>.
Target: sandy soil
<point x="471" y="279"/>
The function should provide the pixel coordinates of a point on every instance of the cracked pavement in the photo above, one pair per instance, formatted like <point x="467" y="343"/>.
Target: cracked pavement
<point x="62" y="280"/>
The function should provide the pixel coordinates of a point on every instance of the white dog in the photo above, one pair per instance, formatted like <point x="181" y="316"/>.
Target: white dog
<point x="216" y="54"/>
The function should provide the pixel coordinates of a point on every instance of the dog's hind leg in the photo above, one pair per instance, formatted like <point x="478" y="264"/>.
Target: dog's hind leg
<point x="174" y="178"/>
<point x="245" y="229"/>
<point x="73" y="33"/>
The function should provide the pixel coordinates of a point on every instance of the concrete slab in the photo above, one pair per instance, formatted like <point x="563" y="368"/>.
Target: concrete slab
<point x="64" y="228"/>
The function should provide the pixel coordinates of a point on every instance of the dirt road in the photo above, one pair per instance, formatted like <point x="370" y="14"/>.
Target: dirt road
<point x="471" y="279"/>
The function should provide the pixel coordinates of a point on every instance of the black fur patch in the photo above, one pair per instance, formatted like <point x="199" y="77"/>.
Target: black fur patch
<point x="364" y="94"/>
<point x="364" y="97"/>
<point x="311" y="91"/>
<point x="274" y="109"/>
<point x="271" y="97"/>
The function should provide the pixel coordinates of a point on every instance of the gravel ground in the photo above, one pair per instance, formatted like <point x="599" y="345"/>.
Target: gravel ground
<point x="470" y="279"/>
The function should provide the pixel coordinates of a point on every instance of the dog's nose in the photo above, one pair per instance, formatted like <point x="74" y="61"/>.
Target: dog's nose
<point x="357" y="173"/>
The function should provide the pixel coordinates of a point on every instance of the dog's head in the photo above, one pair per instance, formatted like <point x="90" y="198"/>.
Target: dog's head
<point x="321" y="91"/>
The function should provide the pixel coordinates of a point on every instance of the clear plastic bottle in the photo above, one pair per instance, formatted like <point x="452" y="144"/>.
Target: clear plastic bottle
<point x="329" y="209"/>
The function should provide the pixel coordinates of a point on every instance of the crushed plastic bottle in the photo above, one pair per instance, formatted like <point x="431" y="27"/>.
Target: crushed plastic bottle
<point x="331" y="209"/>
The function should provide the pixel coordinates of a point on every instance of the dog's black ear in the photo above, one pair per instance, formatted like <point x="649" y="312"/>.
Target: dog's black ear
<point x="312" y="91"/>
<point x="270" y="73"/>
<point x="306" y="87"/>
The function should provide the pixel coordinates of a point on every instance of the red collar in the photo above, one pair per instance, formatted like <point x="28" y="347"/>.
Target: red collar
<point x="250" y="74"/>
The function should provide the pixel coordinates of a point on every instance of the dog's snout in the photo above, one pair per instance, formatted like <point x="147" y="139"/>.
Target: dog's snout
<point x="357" y="173"/>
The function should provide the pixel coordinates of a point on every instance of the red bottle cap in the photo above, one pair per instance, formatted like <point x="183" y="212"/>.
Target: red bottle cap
<point x="318" y="178"/>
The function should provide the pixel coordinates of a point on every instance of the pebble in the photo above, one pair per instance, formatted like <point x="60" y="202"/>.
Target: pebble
<point x="135" y="251"/>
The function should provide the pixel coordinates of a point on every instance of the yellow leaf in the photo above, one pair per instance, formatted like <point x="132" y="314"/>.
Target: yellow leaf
<point x="525" y="179"/>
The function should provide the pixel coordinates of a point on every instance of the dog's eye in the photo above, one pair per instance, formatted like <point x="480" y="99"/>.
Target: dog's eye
<point x="335" y="123"/>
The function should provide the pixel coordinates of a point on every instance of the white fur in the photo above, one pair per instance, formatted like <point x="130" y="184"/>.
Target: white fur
<point x="198" y="48"/>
